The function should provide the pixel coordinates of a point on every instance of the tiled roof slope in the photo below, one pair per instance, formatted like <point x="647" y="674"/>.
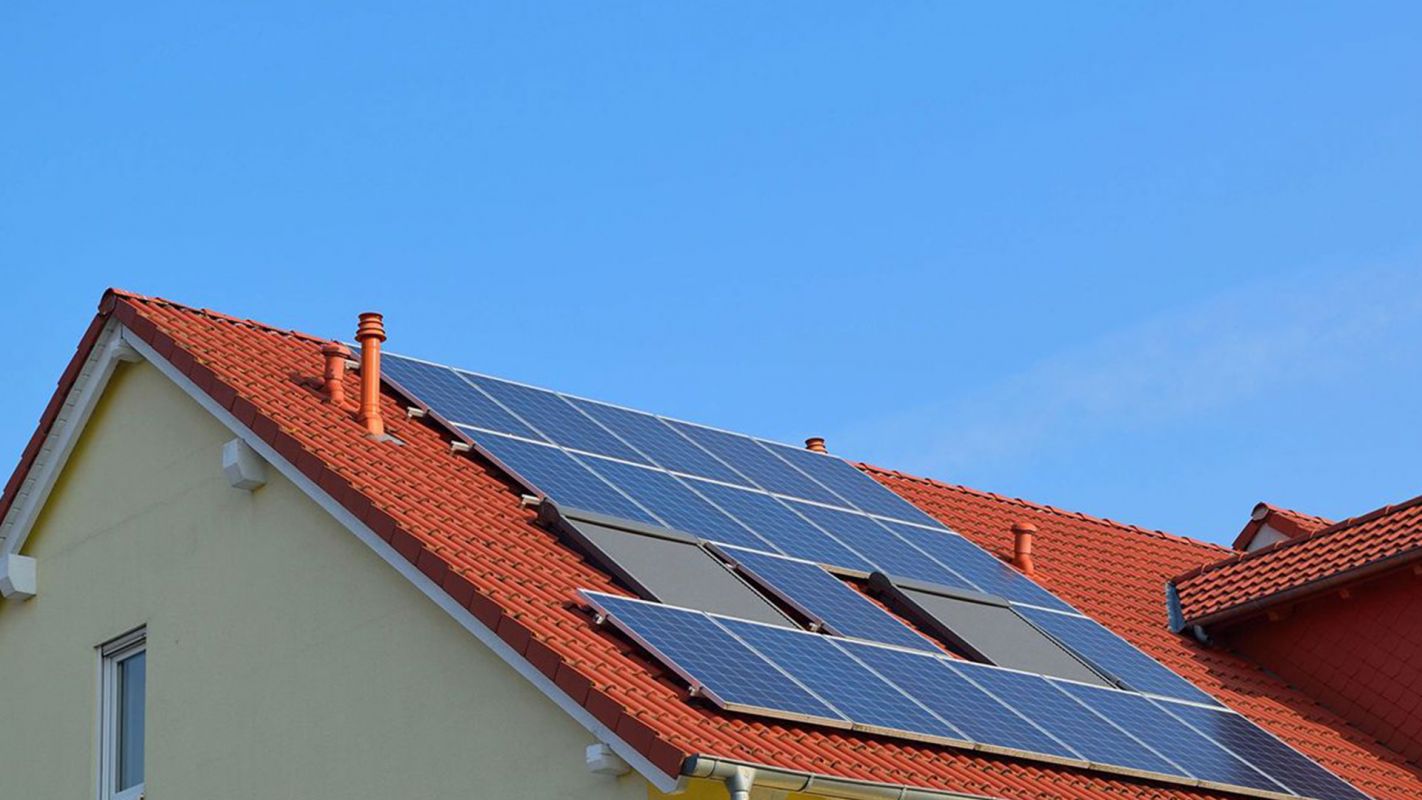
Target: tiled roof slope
<point x="460" y="522"/>
<point x="1116" y="574"/>
<point x="1285" y="520"/>
<point x="1243" y="582"/>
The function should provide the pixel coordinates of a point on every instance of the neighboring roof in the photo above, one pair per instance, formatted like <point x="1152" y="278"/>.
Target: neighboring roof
<point x="1340" y="552"/>
<point x="460" y="522"/>
<point x="1291" y="524"/>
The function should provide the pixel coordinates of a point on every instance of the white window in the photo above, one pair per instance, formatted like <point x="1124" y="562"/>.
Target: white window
<point x="122" y="694"/>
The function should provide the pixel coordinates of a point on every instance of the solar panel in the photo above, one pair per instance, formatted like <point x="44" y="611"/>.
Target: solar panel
<point x="888" y="552"/>
<point x="555" y="418"/>
<point x="710" y="659"/>
<point x="1171" y="738"/>
<point x="452" y="397"/>
<point x="1113" y="655"/>
<point x="933" y="682"/>
<point x="757" y="463"/>
<point x="987" y="574"/>
<point x="672" y="502"/>
<point x="1089" y="733"/>
<point x="861" y="695"/>
<point x="1258" y="747"/>
<point x="789" y="533"/>
<point x="659" y="442"/>
<point x="853" y="485"/>
<point x="825" y="599"/>
<point x="559" y="476"/>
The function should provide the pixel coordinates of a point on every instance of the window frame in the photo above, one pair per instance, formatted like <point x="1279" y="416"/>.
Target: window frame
<point x="111" y="655"/>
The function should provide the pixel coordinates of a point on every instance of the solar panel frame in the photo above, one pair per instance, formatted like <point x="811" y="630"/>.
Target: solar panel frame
<point x="871" y="703"/>
<point x="773" y="520"/>
<point x="553" y="416"/>
<point x="621" y="612"/>
<point x="821" y="597"/>
<point x="1113" y="656"/>
<point x="659" y="442"/>
<point x="879" y="545"/>
<point x="857" y="489"/>
<point x="1202" y="757"/>
<point x="749" y="458"/>
<point x="462" y="403"/>
<point x="1282" y="763"/>
<point x="581" y="487"/>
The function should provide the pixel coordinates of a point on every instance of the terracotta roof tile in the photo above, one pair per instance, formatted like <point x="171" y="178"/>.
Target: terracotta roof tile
<point x="1242" y="583"/>
<point x="460" y="512"/>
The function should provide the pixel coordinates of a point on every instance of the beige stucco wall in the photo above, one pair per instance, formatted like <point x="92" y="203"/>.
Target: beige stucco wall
<point x="285" y="659"/>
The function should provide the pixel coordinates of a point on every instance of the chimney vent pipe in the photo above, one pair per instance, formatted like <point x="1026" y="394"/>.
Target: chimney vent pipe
<point x="816" y="443"/>
<point x="334" y="388"/>
<point x="370" y="334"/>
<point x="1022" y="535"/>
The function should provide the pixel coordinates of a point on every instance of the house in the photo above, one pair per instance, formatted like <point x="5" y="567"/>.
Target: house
<point x="234" y="567"/>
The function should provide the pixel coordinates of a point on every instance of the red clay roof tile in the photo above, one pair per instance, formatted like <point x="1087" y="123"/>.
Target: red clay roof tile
<point x="519" y="580"/>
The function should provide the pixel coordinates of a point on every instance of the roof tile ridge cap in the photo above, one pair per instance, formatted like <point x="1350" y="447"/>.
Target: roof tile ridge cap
<point x="1044" y="507"/>
<point x="136" y="299"/>
<point x="1323" y="522"/>
<point x="1298" y="541"/>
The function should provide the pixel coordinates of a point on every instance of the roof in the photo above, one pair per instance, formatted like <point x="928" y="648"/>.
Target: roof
<point x="1354" y="548"/>
<point x="460" y="522"/>
<point x="1286" y="521"/>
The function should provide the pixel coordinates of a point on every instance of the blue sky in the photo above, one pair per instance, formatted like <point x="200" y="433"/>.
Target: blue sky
<point x="1153" y="262"/>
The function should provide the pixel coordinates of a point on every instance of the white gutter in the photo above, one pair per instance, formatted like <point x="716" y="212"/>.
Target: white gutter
<point x="739" y="776"/>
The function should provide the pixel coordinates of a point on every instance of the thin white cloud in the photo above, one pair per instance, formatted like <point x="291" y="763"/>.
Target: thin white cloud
<point x="1284" y="334"/>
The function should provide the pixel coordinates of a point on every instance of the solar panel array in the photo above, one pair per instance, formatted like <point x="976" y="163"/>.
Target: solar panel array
<point x="773" y="671"/>
<point x="789" y="518"/>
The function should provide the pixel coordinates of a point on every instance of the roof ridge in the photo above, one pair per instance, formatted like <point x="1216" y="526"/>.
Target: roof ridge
<point x="1325" y="521"/>
<point x="1297" y="541"/>
<point x="1044" y="507"/>
<point x="113" y="292"/>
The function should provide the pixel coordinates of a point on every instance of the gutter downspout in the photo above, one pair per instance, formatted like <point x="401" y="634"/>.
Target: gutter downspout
<point x="739" y="775"/>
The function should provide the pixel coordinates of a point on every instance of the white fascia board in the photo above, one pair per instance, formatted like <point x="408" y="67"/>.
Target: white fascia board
<point x="109" y="349"/>
<point x="662" y="781"/>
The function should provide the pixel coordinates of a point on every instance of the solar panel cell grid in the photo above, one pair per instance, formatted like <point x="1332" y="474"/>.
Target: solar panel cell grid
<point x="672" y="502"/>
<point x="880" y="546"/>
<point x="728" y="670"/>
<point x="826" y="599"/>
<point x="1166" y="735"/>
<point x="987" y="573"/>
<point x="844" y="480"/>
<point x="934" y="683"/>
<point x="1114" y="655"/>
<point x="860" y="694"/>
<point x="757" y="463"/>
<point x="1089" y="733"/>
<point x="556" y="418"/>
<point x="454" y="398"/>
<point x="788" y="532"/>
<point x="1253" y="744"/>
<point x="659" y="442"/>
<point x="559" y="476"/>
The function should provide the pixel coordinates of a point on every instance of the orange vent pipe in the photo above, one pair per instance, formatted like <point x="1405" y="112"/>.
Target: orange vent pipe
<point x="335" y="354"/>
<point x="1022" y="534"/>
<point x="370" y="334"/>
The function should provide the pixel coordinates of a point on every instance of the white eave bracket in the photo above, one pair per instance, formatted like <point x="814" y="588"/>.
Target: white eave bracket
<point x="244" y="468"/>
<point x="17" y="577"/>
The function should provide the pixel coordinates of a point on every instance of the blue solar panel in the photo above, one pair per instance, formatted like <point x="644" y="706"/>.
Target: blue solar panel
<point x="887" y="551"/>
<point x="659" y="442"/>
<point x="860" y="694"/>
<point x="557" y="475"/>
<point x="777" y="524"/>
<point x="1168" y="736"/>
<point x="826" y="599"/>
<point x="556" y="418"/>
<point x="1088" y="733"/>
<point x="853" y="485"/>
<point x="933" y="682"/>
<point x="1253" y="744"/>
<point x="1113" y="655"/>
<point x="452" y="397"/>
<point x="977" y="565"/>
<point x="757" y="463"/>
<point x="731" y="673"/>
<point x="678" y="507"/>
